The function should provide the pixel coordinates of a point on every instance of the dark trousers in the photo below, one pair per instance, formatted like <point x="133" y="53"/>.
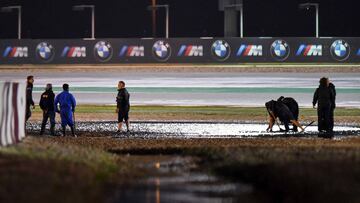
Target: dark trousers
<point x="286" y="125"/>
<point x="28" y="113"/>
<point x="46" y="116"/>
<point x="324" y="118"/>
<point x="331" y="127"/>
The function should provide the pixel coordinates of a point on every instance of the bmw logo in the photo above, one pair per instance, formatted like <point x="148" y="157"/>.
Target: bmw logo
<point x="220" y="50"/>
<point x="161" y="50"/>
<point x="280" y="50"/>
<point x="340" y="50"/>
<point x="103" y="51"/>
<point x="45" y="51"/>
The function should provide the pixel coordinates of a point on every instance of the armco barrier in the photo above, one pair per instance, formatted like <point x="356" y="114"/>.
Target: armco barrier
<point x="12" y="112"/>
<point x="181" y="50"/>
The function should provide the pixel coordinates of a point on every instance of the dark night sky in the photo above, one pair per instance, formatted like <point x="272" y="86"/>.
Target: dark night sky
<point x="188" y="18"/>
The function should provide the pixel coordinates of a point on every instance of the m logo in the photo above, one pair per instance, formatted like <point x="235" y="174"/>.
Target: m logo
<point x="15" y="52"/>
<point x="74" y="52"/>
<point x="250" y="50"/>
<point x="132" y="51"/>
<point x="309" y="50"/>
<point x="191" y="50"/>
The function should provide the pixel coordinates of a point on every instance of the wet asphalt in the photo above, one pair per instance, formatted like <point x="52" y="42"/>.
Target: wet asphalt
<point x="200" y="88"/>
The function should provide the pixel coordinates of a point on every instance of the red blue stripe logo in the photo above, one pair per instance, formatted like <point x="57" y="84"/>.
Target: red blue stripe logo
<point x="309" y="50"/>
<point x="15" y="52"/>
<point x="191" y="50"/>
<point x="249" y="50"/>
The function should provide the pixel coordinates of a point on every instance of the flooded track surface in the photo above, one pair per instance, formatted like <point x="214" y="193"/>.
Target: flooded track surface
<point x="154" y="130"/>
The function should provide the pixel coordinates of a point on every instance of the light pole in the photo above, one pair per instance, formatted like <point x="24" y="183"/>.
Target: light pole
<point x="9" y="9"/>
<point x="240" y="7"/>
<point x="167" y="15"/>
<point x="81" y="8"/>
<point x="307" y="6"/>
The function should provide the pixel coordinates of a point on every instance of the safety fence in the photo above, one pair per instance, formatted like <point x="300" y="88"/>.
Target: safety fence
<point x="12" y="112"/>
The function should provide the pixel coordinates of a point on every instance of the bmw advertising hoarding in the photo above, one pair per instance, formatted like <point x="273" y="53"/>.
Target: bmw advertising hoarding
<point x="180" y="50"/>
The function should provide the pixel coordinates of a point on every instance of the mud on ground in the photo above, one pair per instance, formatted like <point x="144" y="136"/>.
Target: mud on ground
<point x="279" y="169"/>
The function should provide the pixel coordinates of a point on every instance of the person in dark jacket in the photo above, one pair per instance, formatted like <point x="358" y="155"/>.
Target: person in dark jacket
<point x="67" y="108"/>
<point x="47" y="106"/>
<point x="279" y="110"/>
<point x="323" y="97"/>
<point x="293" y="107"/>
<point x="29" y="98"/>
<point x="333" y="105"/>
<point x="123" y="106"/>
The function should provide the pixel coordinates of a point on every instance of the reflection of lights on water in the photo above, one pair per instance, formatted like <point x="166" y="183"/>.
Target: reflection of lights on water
<point x="193" y="130"/>
<point x="157" y="191"/>
<point x="157" y="184"/>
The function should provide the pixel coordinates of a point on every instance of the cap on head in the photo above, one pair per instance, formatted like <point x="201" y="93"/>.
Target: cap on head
<point x="66" y="87"/>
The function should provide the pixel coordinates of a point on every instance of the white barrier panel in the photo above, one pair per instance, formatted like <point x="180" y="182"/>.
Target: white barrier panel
<point x="12" y="112"/>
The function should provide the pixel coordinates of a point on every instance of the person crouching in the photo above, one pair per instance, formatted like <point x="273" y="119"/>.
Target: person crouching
<point x="279" y="110"/>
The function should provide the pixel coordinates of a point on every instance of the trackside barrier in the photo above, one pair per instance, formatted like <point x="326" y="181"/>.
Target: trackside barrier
<point x="12" y="112"/>
<point x="181" y="50"/>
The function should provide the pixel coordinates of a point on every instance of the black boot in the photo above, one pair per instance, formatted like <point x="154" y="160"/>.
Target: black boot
<point x="63" y="131"/>
<point x="295" y="128"/>
<point x="73" y="131"/>
<point x="52" y="130"/>
<point x="42" y="129"/>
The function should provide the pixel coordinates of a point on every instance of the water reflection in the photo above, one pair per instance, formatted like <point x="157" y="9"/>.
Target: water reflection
<point x="198" y="129"/>
<point x="157" y="191"/>
<point x="176" y="180"/>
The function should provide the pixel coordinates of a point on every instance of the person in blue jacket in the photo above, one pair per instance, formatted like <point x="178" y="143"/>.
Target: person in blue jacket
<point x="67" y="107"/>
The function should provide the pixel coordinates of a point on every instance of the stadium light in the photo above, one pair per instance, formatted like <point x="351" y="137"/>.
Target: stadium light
<point x="307" y="6"/>
<point x="151" y="8"/>
<point x="81" y="8"/>
<point x="9" y="9"/>
<point x="240" y="7"/>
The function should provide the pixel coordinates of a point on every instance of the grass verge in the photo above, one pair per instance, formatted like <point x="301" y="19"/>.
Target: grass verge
<point x="221" y="113"/>
<point x="38" y="170"/>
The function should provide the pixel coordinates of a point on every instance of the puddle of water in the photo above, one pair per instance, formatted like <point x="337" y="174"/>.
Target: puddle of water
<point x="179" y="180"/>
<point x="199" y="130"/>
